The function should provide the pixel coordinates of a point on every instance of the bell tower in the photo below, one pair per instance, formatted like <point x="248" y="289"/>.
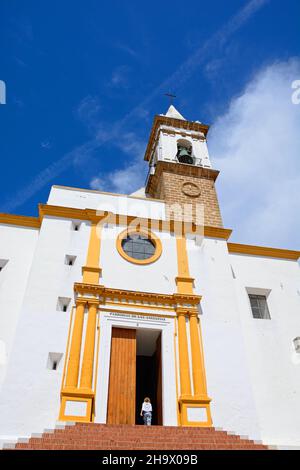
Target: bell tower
<point x="180" y="171"/>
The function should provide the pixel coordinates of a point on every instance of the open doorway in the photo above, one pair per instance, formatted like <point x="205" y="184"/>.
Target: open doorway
<point x="135" y="373"/>
<point x="149" y="373"/>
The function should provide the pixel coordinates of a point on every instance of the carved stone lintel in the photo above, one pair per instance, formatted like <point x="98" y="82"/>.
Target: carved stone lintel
<point x="174" y="300"/>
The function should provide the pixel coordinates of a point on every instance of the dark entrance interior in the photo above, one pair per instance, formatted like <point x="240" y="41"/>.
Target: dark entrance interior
<point x="149" y="373"/>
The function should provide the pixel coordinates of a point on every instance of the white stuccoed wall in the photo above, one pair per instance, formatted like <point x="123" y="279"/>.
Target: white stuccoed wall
<point x="17" y="245"/>
<point x="251" y="365"/>
<point x="97" y="200"/>
<point x="228" y="381"/>
<point x="30" y="396"/>
<point x="273" y="364"/>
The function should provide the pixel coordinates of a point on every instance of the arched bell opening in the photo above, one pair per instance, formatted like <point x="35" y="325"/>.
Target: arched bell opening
<point x="185" y="152"/>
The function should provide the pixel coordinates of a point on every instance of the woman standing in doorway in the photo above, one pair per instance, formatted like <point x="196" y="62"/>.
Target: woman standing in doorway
<point x="146" y="411"/>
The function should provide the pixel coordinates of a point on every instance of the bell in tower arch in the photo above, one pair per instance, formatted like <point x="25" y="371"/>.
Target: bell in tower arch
<point x="184" y="154"/>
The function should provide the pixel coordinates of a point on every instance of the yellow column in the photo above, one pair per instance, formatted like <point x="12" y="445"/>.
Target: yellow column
<point x="182" y="259"/>
<point x="74" y="355"/>
<point x="199" y="399"/>
<point x="184" y="371"/>
<point x="183" y="280"/>
<point x="184" y="286"/>
<point x="197" y="358"/>
<point x="86" y="379"/>
<point x="91" y="271"/>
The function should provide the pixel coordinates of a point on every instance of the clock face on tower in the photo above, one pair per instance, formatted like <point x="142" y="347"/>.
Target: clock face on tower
<point x="190" y="189"/>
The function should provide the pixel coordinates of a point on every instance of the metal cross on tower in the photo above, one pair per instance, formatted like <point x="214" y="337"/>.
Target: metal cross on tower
<point x="171" y="97"/>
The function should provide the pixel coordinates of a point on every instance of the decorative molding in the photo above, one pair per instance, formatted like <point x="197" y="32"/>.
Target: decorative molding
<point x="160" y="225"/>
<point x="91" y="269"/>
<point x="81" y="300"/>
<point x="151" y="297"/>
<point x="184" y="279"/>
<point x="217" y="232"/>
<point x="263" y="251"/>
<point x="186" y="402"/>
<point x="78" y="397"/>
<point x="187" y="311"/>
<point x="194" y="398"/>
<point x="135" y="313"/>
<point x="173" y="132"/>
<point x="187" y="299"/>
<point x="184" y="169"/>
<point x="136" y="305"/>
<point x="65" y="212"/>
<point x="20" y="220"/>
<point x="171" y="226"/>
<point x="77" y="392"/>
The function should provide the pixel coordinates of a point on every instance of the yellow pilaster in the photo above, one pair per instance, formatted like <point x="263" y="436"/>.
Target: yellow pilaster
<point x="73" y="393"/>
<point x="199" y="380"/>
<point x="183" y="280"/>
<point x="86" y="378"/>
<point x="199" y="400"/>
<point x="184" y="371"/>
<point x="74" y="355"/>
<point x="91" y="271"/>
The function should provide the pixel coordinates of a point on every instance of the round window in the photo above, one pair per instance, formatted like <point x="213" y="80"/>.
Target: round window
<point x="140" y="247"/>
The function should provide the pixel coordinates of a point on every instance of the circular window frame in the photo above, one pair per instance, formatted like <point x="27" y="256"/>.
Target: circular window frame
<point x="188" y="192"/>
<point x="146" y="233"/>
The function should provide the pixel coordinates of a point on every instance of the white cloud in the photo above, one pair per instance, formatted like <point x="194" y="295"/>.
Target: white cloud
<point x="46" y="144"/>
<point x="129" y="178"/>
<point x="128" y="50"/>
<point x="256" y="145"/>
<point x="88" y="111"/>
<point x="120" y="77"/>
<point x="96" y="183"/>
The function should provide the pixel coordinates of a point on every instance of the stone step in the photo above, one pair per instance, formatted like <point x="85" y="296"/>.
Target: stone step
<point x="122" y="437"/>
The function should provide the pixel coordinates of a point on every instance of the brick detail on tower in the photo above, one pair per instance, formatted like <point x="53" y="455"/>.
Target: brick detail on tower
<point x="187" y="190"/>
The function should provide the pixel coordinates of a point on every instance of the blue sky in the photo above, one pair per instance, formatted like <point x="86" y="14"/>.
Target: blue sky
<point x="84" y="80"/>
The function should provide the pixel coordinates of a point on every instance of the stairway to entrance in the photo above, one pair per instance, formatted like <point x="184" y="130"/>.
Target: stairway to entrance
<point x="90" y="436"/>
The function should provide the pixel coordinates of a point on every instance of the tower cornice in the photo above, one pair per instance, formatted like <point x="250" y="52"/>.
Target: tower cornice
<point x="179" y="169"/>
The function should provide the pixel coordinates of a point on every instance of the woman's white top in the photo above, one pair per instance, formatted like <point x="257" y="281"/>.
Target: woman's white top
<point x="146" y="407"/>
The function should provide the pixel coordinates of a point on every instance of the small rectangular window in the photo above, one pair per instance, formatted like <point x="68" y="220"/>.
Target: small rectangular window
<point x="259" y="307"/>
<point x="3" y="263"/>
<point x="53" y="361"/>
<point x="296" y="342"/>
<point x="63" y="303"/>
<point x="70" y="260"/>
<point x="76" y="226"/>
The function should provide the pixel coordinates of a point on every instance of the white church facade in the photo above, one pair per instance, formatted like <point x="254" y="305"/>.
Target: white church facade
<point x="107" y="298"/>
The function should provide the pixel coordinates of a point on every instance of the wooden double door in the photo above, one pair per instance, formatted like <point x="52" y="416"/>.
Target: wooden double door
<point x="125" y="379"/>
